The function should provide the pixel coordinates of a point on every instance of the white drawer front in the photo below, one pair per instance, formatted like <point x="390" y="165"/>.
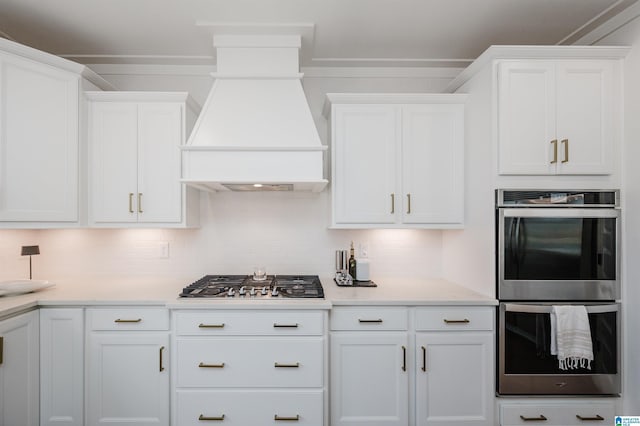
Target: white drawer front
<point x="558" y="414"/>
<point x="135" y="318"/>
<point x="277" y="323"/>
<point x="246" y="408"/>
<point x="454" y="318"/>
<point x="373" y="318"/>
<point x="236" y="362"/>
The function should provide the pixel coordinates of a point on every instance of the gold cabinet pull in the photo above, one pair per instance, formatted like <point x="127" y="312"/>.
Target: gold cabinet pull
<point x="278" y="365"/>
<point x="161" y="363"/>
<point x="286" y="419"/>
<point x="203" y="365"/>
<point x="424" y="358"/>
<point x="408" y="203"/>
<point x="370" y="321"/>
<point x="201" y="325"/>
<point x="131" y="202"/>
<point x="119" y="320"/>
<point x="404" y="358"/>
<point x="204" y="418"/>
<point x="393" y="203"/>
<point x="555" y="151"/>
<point x="276" y="325"/>
<point x="140" y="202"/>
<point x="565" y="142"/>
<point x="1" y="350"/>
<point x="596" y="418"/>
<point x="462" y="321"/>
<point x="540" y="418"/>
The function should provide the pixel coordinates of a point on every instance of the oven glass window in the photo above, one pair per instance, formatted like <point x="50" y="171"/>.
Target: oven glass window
<point x="528" y="338"/>
<point x="551" y="248"/>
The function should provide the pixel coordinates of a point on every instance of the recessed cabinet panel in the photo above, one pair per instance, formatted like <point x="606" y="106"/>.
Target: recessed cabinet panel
<point x="114" y="154"/>
<point x="38" y="142"/>
<point x="159" y="188"/>
<point x="433" y="151"/>
<point x="365" y="163"/>
<point x="526" y="117"/>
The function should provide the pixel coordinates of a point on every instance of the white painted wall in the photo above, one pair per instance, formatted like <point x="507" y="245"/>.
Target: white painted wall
<point x="629" y="34"/>
<point x="286" y="232"/>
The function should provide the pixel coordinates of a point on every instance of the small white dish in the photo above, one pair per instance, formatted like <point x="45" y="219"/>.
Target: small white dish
<point x="14" y="287"/>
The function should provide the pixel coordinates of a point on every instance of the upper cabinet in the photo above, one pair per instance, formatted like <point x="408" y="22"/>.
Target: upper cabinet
<point x="397" y="160"/>
<point x="555" y="117"/>
<point x="39" y="137"/>
<point x="134" y="160"/>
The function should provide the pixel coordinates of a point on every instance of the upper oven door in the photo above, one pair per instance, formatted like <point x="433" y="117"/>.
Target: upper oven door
<point x="558" y="253"/>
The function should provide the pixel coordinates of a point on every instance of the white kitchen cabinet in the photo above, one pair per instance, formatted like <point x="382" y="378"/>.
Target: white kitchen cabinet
<point x="38" y="142"/>
<point x="40" y="147"/>
<point x="19" y="370"/>
<point x="558" y="412"/>
<point x="249" y="367"/>
<point x="369" y="366"/>
<point x="556" y="117"/>
<point x="454" y="366"/>
<point x="398" y="160"/>
<point x="127" y="365"/>
<point x="433" y="370"/>
<point x="135" y="164"/>
<point x="62" y="367"/>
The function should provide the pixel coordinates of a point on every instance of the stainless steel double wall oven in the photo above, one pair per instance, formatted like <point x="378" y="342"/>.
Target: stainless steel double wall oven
<point x="557" y="248"/>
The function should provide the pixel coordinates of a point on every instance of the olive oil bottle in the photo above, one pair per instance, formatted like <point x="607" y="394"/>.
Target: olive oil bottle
<point x="352" y="262"/>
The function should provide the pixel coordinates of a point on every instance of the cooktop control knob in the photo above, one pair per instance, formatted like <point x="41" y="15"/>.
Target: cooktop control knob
<point x="264" y="291"/>
<point x="274" y="292"/>
<point x="242" y="291"/>
<point x="252" y="292"/>
<point x="231" y="292"/>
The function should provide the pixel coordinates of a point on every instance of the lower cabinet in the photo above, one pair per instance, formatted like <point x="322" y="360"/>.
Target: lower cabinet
<point x="558" y="412"/>
<point x="249" y="367"/>
<point x="127" y="367"/>
<point x="435" y="370"/>
<point x="19" y="370"/>
<point x="369" y="378"/>
<point x="62" y="367"/>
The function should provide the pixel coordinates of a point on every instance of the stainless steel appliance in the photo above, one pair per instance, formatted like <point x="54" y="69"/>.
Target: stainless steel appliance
<point x="558" y="245"/>
<point x="557" y="248"/>
<point x="246" y="286"/>
<point x="526" y="366"/>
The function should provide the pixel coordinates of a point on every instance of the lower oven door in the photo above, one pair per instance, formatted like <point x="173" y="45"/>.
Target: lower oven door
<point x="526" y="366"/>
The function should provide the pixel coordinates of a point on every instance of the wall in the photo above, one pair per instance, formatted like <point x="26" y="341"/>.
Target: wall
<point x="626" y="31"/>
<point x="286" y="232"/>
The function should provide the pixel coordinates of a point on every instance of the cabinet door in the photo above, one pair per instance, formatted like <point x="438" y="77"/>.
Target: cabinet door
<point x="585" y="117"/>
<point x="454" y="378"/>
<point x="128" y="383"/>
<point x="19" y="370"/>
<point x="369" y="381"/>
<point x="433" y="164"/>
<point x="526" y="117"/>
<point x="365" y="164"/>
<point x="61" y="367"/>
<point x="38" y="142"/>
<point x="114" y="161"/>
<point x="159" y="197"/>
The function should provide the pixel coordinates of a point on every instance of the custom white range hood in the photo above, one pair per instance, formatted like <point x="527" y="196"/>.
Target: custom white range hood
<point x="255" y="131"/>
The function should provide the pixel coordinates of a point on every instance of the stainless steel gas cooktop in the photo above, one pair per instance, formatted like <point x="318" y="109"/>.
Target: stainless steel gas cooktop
<point x="246" y="286"/>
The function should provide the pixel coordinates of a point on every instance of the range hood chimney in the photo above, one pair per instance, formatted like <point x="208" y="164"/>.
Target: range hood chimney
<point x="255" y="131"/>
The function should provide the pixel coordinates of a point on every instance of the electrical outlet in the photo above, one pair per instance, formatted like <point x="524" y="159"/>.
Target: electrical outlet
<point x="163" y="249"/>
<point x="363" y="250"/>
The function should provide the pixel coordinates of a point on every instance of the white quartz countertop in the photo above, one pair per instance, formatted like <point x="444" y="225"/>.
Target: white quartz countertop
<point x="164" y="292"/>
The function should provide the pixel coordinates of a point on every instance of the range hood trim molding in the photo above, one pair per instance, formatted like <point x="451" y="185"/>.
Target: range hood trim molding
<point x="254" y="148"/>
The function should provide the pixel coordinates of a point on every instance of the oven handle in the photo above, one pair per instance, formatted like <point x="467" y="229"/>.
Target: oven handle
<point x="546" y="309"/>
<point x="561" y="212"/>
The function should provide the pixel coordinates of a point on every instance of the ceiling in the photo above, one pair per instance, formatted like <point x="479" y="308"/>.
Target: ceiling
<point x="335" y="32"/>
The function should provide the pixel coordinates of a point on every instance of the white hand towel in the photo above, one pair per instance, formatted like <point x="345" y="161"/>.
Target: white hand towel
<point x="571" y="337"/>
